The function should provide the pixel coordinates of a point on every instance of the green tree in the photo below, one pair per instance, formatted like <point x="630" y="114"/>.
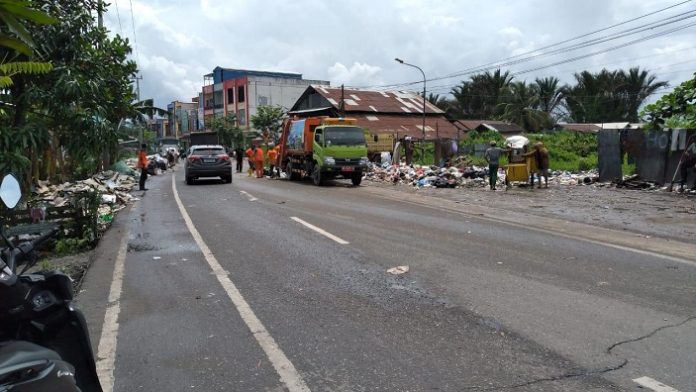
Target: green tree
<point x="16" y="43"/>
<point x="676" y="109"/>
<point x="481" y="96"/>
<point x="638" y="85"/>
<point x="268" y="120"/>
<point x="549" y="95"/>
<point x="520" y="107"/>
<point x="609" y="96"/>
<point x="227" y="130"/>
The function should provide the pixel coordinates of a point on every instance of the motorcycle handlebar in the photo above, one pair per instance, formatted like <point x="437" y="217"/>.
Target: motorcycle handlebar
<point x="27" y="247"/>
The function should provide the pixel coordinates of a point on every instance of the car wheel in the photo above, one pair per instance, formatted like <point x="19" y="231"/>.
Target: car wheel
<point x="227" y="179"/>
<point x="356" y="179"/>
<point x="189" y="180"/>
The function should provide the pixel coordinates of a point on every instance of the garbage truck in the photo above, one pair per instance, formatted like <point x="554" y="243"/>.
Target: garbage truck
<point x="322" y="148"/>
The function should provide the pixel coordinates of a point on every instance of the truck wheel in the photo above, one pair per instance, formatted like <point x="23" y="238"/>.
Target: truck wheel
<point x="294" y="176"/>
<point x="356" y="179"/>
<point x="316" y="176"/>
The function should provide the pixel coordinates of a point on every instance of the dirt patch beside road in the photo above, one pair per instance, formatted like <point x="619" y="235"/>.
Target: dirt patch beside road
<point x="651" y="213"/>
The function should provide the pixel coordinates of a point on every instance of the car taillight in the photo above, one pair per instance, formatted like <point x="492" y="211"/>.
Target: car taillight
<point x="224" y="157"/>
<point x="194" y="158"/>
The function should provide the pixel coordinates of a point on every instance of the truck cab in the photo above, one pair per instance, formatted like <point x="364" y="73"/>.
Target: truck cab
<point x="339" y="150"/>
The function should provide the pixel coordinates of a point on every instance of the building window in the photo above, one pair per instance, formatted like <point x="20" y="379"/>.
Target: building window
<point x="240" y="94"/>
<point x="230" y="95"/>
<point x="241" y="117"/>
<point x="263" y="101"/>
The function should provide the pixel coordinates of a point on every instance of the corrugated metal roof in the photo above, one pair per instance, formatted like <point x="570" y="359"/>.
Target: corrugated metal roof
<point x="494" y="125"/>
<point x="377" y="101"/>
<point x="405" y="125"/>
<point x="579" y="127"/>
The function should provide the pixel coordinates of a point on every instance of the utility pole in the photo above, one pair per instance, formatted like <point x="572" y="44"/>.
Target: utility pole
<point x="418" y="68"/>
<point x="137" y="79"/>
<point x="342" y="105"/>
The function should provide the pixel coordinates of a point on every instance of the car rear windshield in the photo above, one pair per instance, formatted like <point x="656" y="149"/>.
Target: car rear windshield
<point x="208" y="151"/>
<point x="344" y="136"/>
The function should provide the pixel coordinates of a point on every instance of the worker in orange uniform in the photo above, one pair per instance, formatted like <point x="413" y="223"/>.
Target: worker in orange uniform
<point x="142" y="165"/>
<point x="258" y="161"/>
<point x="272" y="157"/>
<point x="250" y="159"/>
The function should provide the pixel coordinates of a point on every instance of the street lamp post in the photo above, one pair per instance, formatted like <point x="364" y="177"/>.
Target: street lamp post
<point x="423" y="129"/>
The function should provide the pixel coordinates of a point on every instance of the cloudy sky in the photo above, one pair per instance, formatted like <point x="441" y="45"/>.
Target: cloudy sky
<point x="355" y="42"/>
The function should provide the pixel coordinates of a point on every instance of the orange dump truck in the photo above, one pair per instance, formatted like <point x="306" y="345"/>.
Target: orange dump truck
<point x="323" y="148"/>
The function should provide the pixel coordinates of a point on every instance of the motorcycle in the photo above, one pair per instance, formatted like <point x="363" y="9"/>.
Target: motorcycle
<point x="44" y="341"/>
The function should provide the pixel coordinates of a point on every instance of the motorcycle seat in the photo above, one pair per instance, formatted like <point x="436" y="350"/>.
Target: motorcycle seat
<point x="16" y="353"/>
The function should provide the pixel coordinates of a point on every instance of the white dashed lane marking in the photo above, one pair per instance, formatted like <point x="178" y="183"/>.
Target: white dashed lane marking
<point x="320" y="231"/>
<point x="289" y="375"/>
<point x="655" y="385"/>
<point x="247" y="194"/>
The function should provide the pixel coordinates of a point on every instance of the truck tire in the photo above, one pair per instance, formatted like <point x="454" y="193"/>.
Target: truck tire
<point x="294" y="176"/>
<point x="356" y="179"/>
<point x="317" y="178"/>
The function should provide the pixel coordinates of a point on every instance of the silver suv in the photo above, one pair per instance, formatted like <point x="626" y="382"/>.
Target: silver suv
<point x="207" y="161"/>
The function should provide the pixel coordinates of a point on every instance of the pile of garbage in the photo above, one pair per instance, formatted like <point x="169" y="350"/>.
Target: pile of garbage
<point x="114" y="188"/>
<point x="569" y="178"/>
<point x="461" y="175"/>
<point x="430" y="176"/>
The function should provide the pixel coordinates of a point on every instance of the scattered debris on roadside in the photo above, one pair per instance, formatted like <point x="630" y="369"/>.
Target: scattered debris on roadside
<point x="113" y="187"/>
<point x="461" y="175"/>
<point x="398" y="270"/>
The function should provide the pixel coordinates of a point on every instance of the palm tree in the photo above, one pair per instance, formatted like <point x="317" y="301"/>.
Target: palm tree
<point x="438" y="100"/>
<point x="481" y="96"/>
<point x="520" y="107"/>
<point x="549" y="94"/>
<point x="638" y="85"/>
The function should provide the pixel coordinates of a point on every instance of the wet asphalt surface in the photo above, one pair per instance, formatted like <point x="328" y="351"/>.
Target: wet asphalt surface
<point x="484" y="307"/>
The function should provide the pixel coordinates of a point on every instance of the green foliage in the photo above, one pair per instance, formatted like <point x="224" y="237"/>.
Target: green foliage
<point x="45" y="265"/>
<point x="71" y="246"/>
<point x="676" y="109"/>
<point x="79" y="101"/>
<point x="568" y="150"/>
<point x="268" y="120"/>
<point x="227" y="130"/>
<point x="609" y="96"/>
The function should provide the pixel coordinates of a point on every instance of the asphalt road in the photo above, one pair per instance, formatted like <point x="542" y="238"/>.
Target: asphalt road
<point x="484" y="306"/>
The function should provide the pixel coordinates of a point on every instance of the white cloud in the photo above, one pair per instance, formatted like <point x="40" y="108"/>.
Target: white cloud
<point x="357" y="75"/>
<point x="180" y="41"/>
<point x="510" y="31"/>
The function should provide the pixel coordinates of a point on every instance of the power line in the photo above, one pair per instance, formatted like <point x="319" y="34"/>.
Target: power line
<point x="135" y="38"/>
<point x="582" y="36"/>
<point x="572" y="59"/>
<point x="500" y="63"/>
<point x="118" y="15"/>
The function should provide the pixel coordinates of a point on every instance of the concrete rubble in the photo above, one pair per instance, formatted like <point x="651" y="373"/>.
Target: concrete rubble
<point x="114" y="188"/>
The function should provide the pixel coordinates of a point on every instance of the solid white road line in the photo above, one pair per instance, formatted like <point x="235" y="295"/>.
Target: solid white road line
<point x="285" y="369"/>
<point x="320" y="231"/>
<point x="655" y="385"/>
<point x="106" y="351"/>
<point x="251" y="198"/>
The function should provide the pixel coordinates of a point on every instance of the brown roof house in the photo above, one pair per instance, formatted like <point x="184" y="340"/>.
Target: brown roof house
<point x="505" y="129"/>
<point x="397" y="112"/>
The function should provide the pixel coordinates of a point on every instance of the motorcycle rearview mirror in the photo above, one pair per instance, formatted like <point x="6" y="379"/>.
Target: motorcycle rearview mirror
<point x="10" y="192"/>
